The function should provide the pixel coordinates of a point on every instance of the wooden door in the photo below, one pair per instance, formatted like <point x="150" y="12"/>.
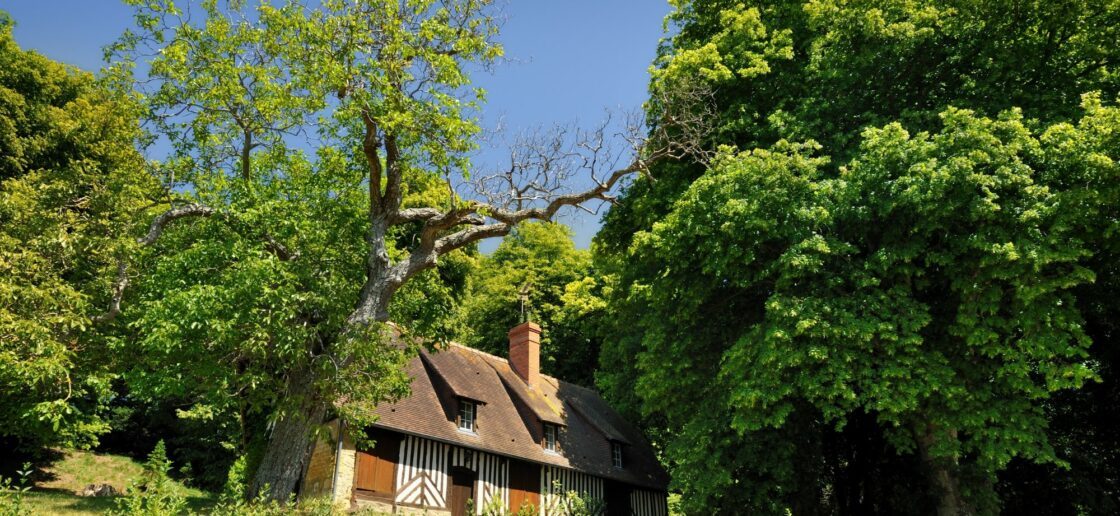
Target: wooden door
<point x="617" y="498"/>
<point x="375" y="468"/>
<point x="524" y="484"/>
<point x="462" y="490"/>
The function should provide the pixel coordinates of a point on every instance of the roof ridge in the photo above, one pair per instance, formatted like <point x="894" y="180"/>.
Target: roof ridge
<point x="452" y="343"/>
<point x="578" y="386"/>
<point x="506" y="360"/>
<point x="479" y="351"/>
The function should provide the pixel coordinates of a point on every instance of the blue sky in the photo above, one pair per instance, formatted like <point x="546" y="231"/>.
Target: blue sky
<point x="569" y="60"/>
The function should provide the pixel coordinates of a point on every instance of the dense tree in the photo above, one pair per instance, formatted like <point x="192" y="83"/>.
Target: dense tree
<point x="305" y="141"/>
<point x="540" y="258"/>
<point x="70" y="184"/>
<point x="911" y="264"/>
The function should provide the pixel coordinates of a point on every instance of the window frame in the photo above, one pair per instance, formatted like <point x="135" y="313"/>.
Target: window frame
<point x="555" y="448"/>
<point x="616" y="455"/>
<point x="467" y="407"/>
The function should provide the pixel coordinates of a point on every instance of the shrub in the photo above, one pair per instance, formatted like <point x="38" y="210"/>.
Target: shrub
<point x="153" y="494"/>
<point x="12" y="491"/>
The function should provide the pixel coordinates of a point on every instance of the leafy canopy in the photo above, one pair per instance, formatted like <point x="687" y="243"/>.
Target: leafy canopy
<point x="71" y="183"/>
<point x="892" y="232"/>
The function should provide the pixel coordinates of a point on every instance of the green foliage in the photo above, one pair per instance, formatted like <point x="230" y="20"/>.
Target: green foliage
<point x="12" y="493"/>
<point x="562" y="294"/>
<point x="313" y="507"/>
<point x="929" y="284"/>
<point x="237" y="482"/>
<point x="825" y="69"/>
<point x="153" y="493"/>
<point x="495" y="507"/>
<point x="575" y="503"/>
<point x="233" y="502"/>
<point x="905" y="247"/>
<point x="71" y="184"/>
<point x="1080" y="427"/>
<point x="201" y="441"/>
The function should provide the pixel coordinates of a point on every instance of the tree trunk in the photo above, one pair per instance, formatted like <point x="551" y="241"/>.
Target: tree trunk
<point x="942" y="472"/>
<point x="289" y="444"/>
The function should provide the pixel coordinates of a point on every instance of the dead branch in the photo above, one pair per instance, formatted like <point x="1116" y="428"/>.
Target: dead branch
<point x="565" y="167"/>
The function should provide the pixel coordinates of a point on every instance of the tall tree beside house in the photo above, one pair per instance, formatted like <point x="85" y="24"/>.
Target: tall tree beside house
<point x="541" y="260"/>
<point x="305" y="140"/>
<point x="71" y="182"/>
<point x="892" y="239"/>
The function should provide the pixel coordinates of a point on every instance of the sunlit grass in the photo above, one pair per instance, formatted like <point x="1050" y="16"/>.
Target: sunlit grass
<point x="57" y="490"/>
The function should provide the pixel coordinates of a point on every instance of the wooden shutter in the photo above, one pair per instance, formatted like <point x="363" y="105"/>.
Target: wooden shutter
<point x="366" y="477"/>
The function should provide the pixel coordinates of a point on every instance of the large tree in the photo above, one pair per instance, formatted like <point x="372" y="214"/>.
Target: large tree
<point x="71" y="181"/>
<point x="872" y="272"/>
<point x="302" y="138"/>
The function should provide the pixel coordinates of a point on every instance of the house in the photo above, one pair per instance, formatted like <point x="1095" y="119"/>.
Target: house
<point x="482" y="429"/>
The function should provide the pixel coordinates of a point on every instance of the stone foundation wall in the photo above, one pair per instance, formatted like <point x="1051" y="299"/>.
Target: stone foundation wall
<point x="378" y="508"/>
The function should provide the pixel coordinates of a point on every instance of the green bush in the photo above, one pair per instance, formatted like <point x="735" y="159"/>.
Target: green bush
<point x="153" y="494"/>
<point x="11" y="493"/>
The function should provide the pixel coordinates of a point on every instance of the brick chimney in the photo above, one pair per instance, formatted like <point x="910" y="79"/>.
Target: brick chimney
<point x="525" y="352"/>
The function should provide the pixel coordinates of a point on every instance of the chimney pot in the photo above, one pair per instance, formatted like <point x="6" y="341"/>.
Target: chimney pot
<point x="525" y="352"/>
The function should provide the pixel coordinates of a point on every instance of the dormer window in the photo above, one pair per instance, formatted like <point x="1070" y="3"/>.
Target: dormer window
<point x="466" y="415"/>
<point x="550" y="437"/>
<point x="616" y="454"/>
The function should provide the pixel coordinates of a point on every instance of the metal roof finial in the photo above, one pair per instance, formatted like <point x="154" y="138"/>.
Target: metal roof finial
<point x="523" y="296"/>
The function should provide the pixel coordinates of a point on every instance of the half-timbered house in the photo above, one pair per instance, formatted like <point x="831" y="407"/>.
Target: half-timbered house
<point x="480" y="431"/>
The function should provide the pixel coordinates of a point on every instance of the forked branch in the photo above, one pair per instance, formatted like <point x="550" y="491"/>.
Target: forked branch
<point x="156" y="228"/>
<point x="560" y="168"/>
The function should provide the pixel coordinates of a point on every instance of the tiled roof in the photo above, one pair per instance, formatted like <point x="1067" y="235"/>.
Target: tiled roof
<point x="460" y="375"/>
<point x="507" y="420"/>
<point x="549" y="411"/>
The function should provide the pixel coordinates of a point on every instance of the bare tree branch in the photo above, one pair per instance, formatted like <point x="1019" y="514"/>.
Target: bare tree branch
<point x="158" y="223"/>
<point x="119" y="284"/>
<point x="544" y="168"/>
<point x="156" y="228"/>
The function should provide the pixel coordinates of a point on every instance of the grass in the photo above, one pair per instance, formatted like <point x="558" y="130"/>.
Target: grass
<point x="58" y="484"/>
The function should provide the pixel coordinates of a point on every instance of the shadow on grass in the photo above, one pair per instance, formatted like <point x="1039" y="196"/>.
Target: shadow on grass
<point x="62" y="501"/>
<point x="57" y="500"/>
<point x="41" y="460"/>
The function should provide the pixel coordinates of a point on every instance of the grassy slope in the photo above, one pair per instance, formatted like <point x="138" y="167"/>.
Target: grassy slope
<point x="56" y="493"/>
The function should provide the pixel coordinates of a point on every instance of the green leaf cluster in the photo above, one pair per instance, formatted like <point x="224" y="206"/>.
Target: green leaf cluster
<point x="71" y="186"/>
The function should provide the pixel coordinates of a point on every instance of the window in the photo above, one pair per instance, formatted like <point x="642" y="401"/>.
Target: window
<point x="616" y="454"/>
<point x="466" y="415"/>
<point x="550" y="434"/>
